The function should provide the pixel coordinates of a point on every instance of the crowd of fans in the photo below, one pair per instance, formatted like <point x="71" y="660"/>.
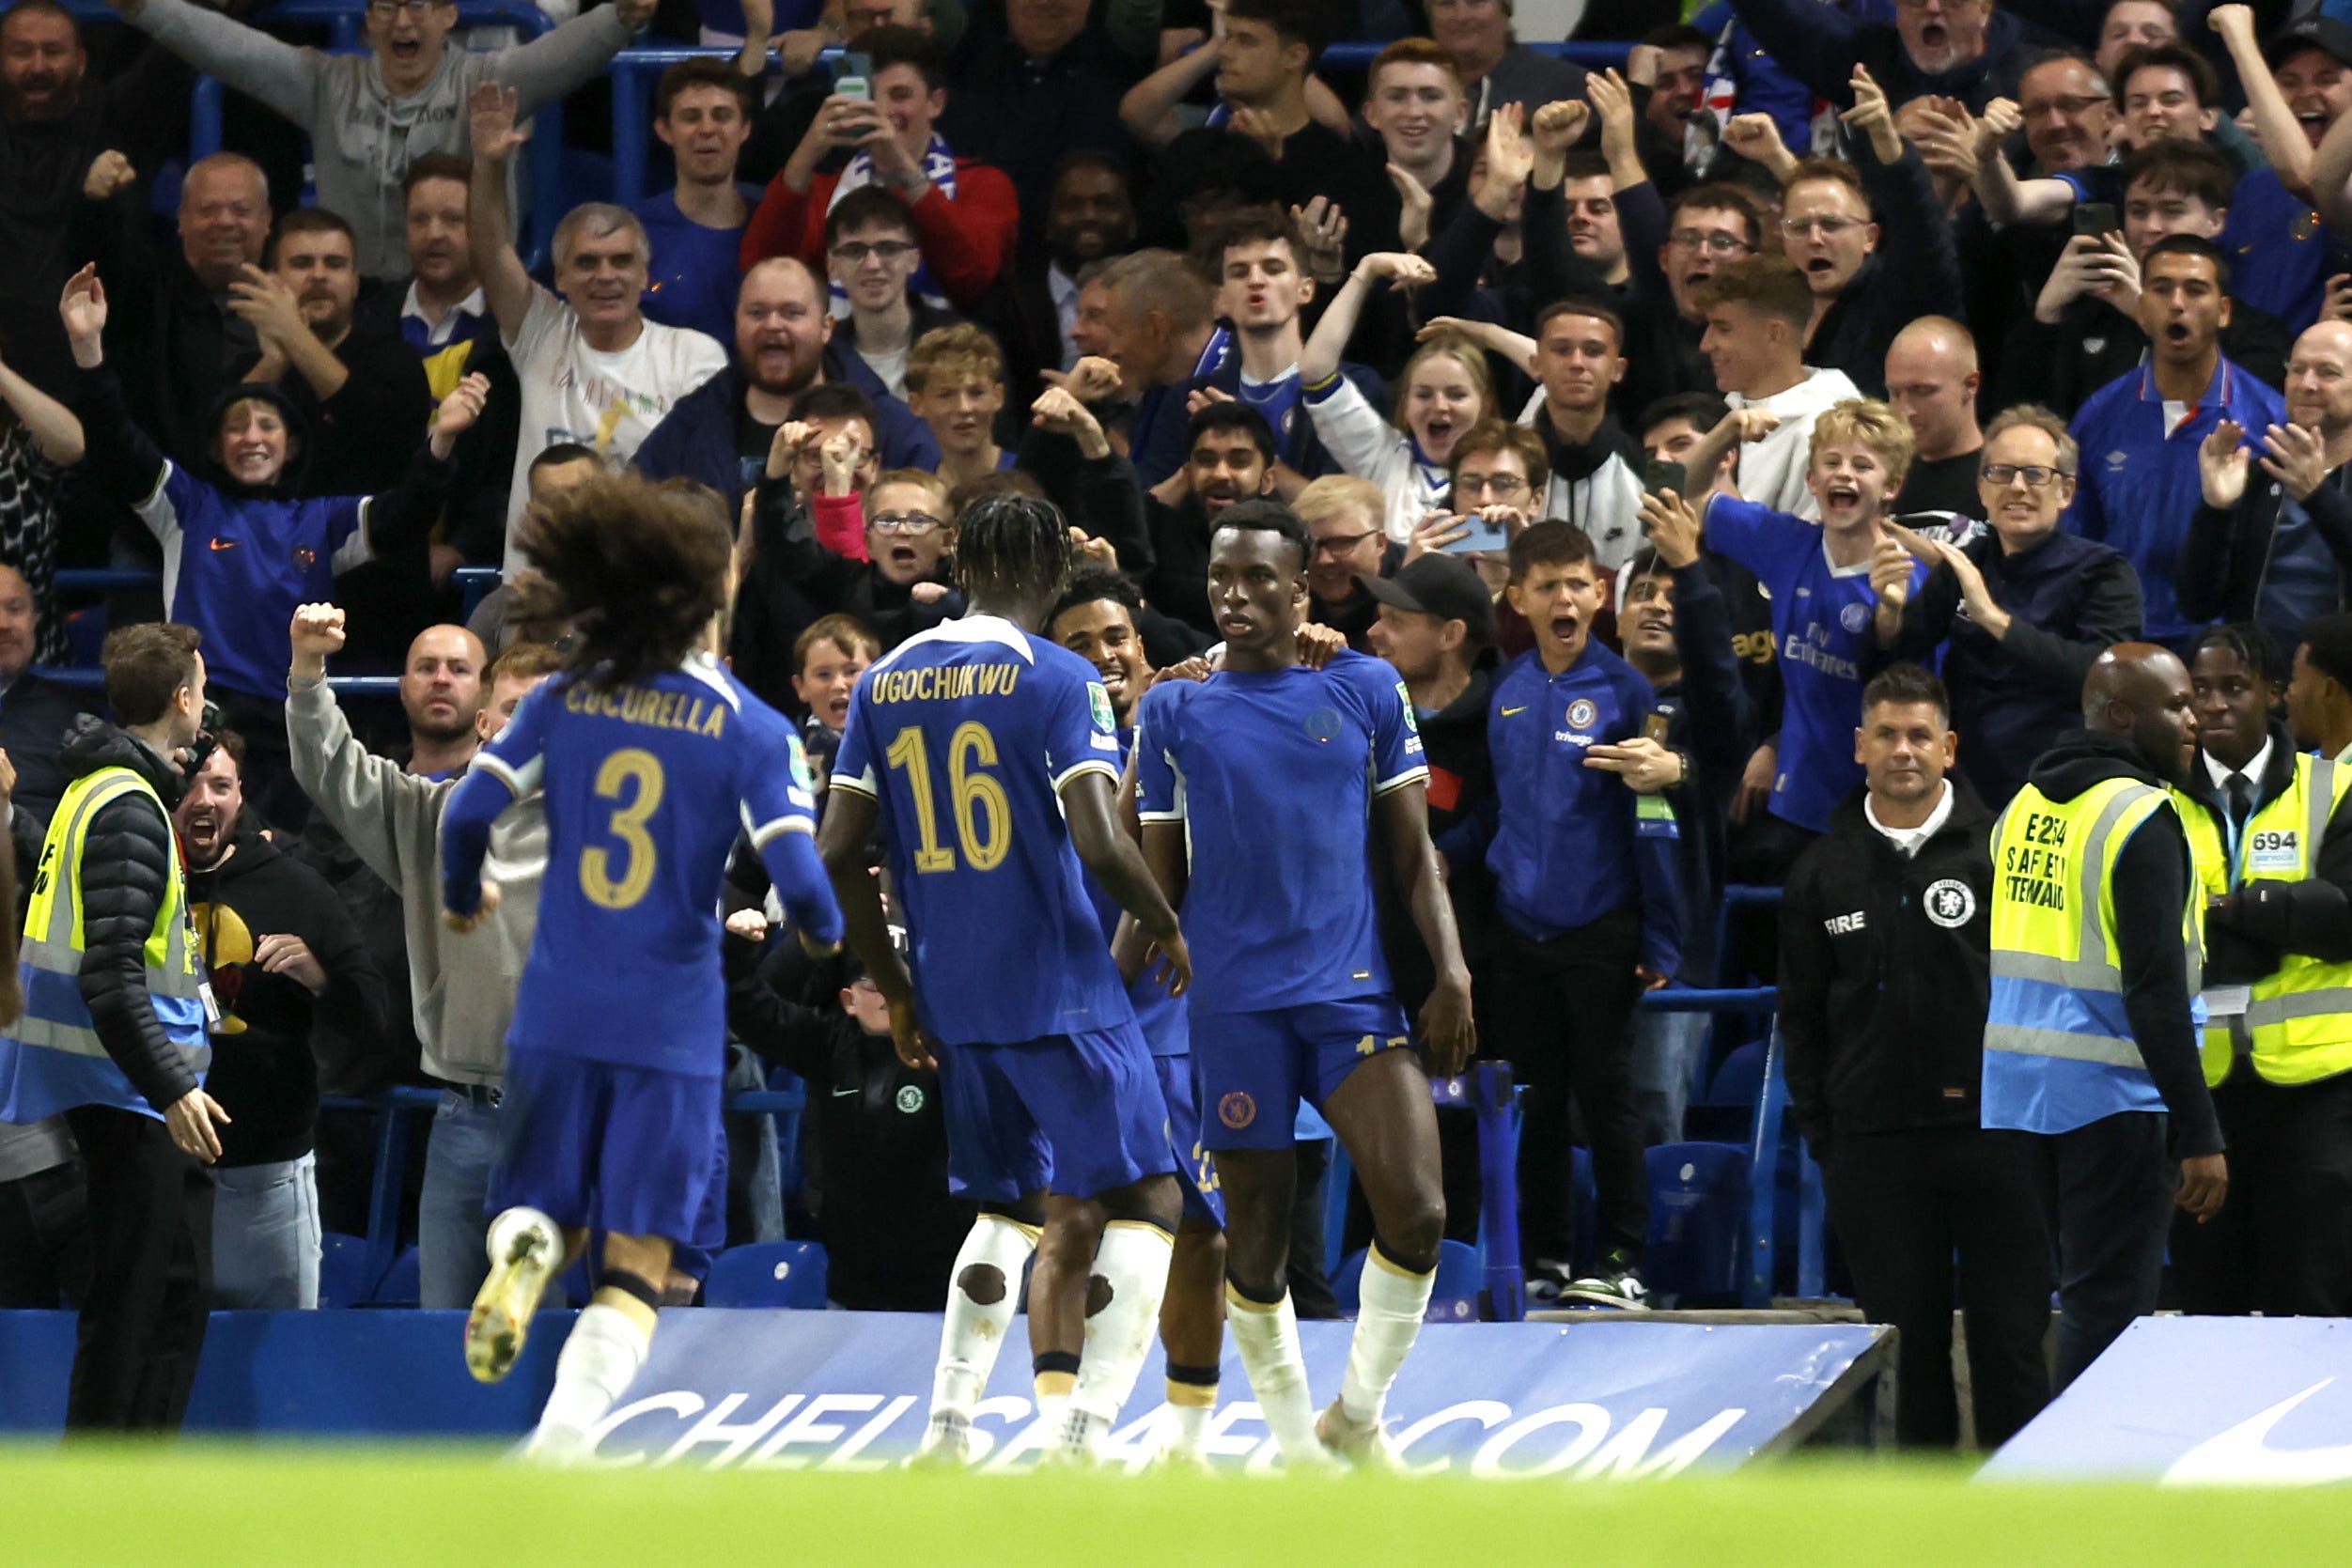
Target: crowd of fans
<point x="1825" y="336"/>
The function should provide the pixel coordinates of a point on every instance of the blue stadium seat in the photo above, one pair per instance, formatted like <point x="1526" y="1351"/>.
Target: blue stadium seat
<point x="1726" y="1113"/>
<point x="1454" y="1298"/>
<point x="768" y="1274"/>
<point x="343" y="1277"/>
<point x="1698" y="1205"/>
<point x="402" y="1284"/>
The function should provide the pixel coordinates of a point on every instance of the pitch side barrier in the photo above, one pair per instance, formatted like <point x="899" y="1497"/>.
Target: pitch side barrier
<point x="847" y="1390"/>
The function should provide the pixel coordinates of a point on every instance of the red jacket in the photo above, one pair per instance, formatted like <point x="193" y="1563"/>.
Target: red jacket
<point x="967" y="242"/>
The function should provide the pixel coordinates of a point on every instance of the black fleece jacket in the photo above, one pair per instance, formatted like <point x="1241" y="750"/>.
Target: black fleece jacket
<point x="263" y="1073"/>
<point x="1886" y="974"/>
<point x="125" y="864"/>
<point x="2152" y="881"/>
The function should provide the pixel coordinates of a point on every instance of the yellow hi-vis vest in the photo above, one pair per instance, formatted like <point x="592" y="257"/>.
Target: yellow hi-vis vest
<point x="54" y="1060"/>
<point x="2298" y="1017"/>
<point x="2057" y="990"/>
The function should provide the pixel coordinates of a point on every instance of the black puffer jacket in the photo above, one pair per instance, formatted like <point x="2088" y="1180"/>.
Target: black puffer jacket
<point x="127" y="859"/>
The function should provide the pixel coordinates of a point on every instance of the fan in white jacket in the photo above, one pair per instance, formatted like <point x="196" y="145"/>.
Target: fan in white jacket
<point x="1444" y="391"/>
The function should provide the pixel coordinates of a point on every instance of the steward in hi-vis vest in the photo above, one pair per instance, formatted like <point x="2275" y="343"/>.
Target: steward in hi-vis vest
<point x="114" y="1035"/>
<point x="2090" y="1038"/>
<point x="2273" y="843"/>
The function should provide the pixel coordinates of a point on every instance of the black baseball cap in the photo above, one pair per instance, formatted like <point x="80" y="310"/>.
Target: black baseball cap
<point x="2325" y="34"/>
<point x="1438" y="585"/>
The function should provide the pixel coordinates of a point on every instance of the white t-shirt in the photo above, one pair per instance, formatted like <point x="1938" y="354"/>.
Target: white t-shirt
<point x="1772" y="470"/>
<point x="611" y="402"/>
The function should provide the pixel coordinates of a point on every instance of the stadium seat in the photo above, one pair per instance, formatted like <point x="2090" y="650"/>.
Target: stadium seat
<point x="1726" y="1113"/>
<point x="1698" y="1204"/>
<point x="1454" y="1298"/>
<point x="343" y="1276"/>
<point x="402" y="1284"/>
<point x="768" y="1274"/>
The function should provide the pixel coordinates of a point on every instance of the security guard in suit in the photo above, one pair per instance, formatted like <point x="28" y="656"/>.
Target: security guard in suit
<point x="2273" y="843"/>
<point x="2090" y="1036"/>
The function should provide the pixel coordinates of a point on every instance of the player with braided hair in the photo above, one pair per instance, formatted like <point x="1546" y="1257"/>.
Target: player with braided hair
<point x="987" y="758"/>
<point x="652" y="759"/>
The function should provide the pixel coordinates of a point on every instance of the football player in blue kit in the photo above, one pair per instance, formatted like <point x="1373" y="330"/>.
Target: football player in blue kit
<point x="1096" y="620"/>
<point x="652" y="760"/>
<point x="1260" y="791"/>
<point x="987" y="758"/>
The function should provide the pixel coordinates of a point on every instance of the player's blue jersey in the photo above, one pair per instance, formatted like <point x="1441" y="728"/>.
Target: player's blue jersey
<point x="1272" y="774"/>
<point x="1167" y="1019"/>
<point x="647" y="787"/>
<point x="964" y="736"/>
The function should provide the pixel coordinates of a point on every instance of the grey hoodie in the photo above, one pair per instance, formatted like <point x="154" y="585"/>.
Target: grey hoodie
<point x="362" y="138"/>
<point x="462" y="988"/>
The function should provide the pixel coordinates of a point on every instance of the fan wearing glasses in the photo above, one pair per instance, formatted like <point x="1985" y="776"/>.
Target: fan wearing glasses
<point x="2021" y="611"/>
<point x="1868" y="279"/>
<point x="371" y="115"/>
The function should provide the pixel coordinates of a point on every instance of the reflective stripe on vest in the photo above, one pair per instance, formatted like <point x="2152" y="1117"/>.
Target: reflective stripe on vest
<point x="2298" y="1017"/>
<point x="50" y="967"/>
<point x="2057" y="990"/>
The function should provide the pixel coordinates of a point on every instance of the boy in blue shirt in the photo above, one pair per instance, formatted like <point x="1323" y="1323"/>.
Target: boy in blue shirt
<point x="1828" y="584"/>
<point x="1258" y="791"/>
<point x="986" y="758"/>
<point x="652" y="761"/>
<point x="1583" y="873"/>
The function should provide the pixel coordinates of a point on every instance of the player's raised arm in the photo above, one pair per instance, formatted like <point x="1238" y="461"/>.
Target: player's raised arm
<point x="781" y="808"/>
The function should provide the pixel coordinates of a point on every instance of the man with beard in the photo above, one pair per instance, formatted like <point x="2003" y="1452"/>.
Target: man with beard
<point x="720" y="433"/>
<point x="2142" y="432"/>
<point x="2090" y="1040"/>
<point x="1229" y="456"/>
<point x="53" y="122"/>
<point x="354" y="382"/>
<point x="1089" y="218"/>
<point x="285" y="958"/>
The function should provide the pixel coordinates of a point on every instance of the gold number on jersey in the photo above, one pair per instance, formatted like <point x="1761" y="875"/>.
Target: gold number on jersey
<point x="974" y="792"/>
<point x="622" y="770"/>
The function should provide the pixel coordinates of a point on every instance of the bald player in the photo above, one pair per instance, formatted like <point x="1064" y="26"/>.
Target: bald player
<point x="2273" y="549"/>
<point x="1932" y="379"/>
<point x="2090" y="1049"/>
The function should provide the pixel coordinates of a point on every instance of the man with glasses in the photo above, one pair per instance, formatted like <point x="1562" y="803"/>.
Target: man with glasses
<point x="873" y="254"/>
<point x="1707" y="226"/>
<point x="2021" y="611"/>
<point x="1345" y="515"/>
<point x="1862" y="296"/>
<point x="371" y="115"/>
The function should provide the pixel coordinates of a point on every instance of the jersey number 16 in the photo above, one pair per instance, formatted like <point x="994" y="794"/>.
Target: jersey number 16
<point x="985" y="842"/>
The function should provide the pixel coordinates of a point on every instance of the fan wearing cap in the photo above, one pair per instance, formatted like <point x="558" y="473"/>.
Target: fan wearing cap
<point x="2299" y="86"/>
<point x="878" y="1136"/>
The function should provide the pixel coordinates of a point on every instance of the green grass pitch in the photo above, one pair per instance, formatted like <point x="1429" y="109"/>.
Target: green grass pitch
<point x="321" y="1505"/>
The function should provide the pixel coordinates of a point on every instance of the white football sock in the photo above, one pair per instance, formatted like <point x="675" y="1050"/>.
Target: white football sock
<point x="603" y="1353"/>
<point x="1132" y="1259"/>
<point x="974" y="1331"/>
<point x="1388" y="1320"/>
<point x="1267" y="1339"/>
<point x="1187" y="1429"/>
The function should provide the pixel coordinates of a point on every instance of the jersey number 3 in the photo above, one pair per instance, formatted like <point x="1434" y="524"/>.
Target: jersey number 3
<point x="970" y="749"/>
<point x="636" y="774"/>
